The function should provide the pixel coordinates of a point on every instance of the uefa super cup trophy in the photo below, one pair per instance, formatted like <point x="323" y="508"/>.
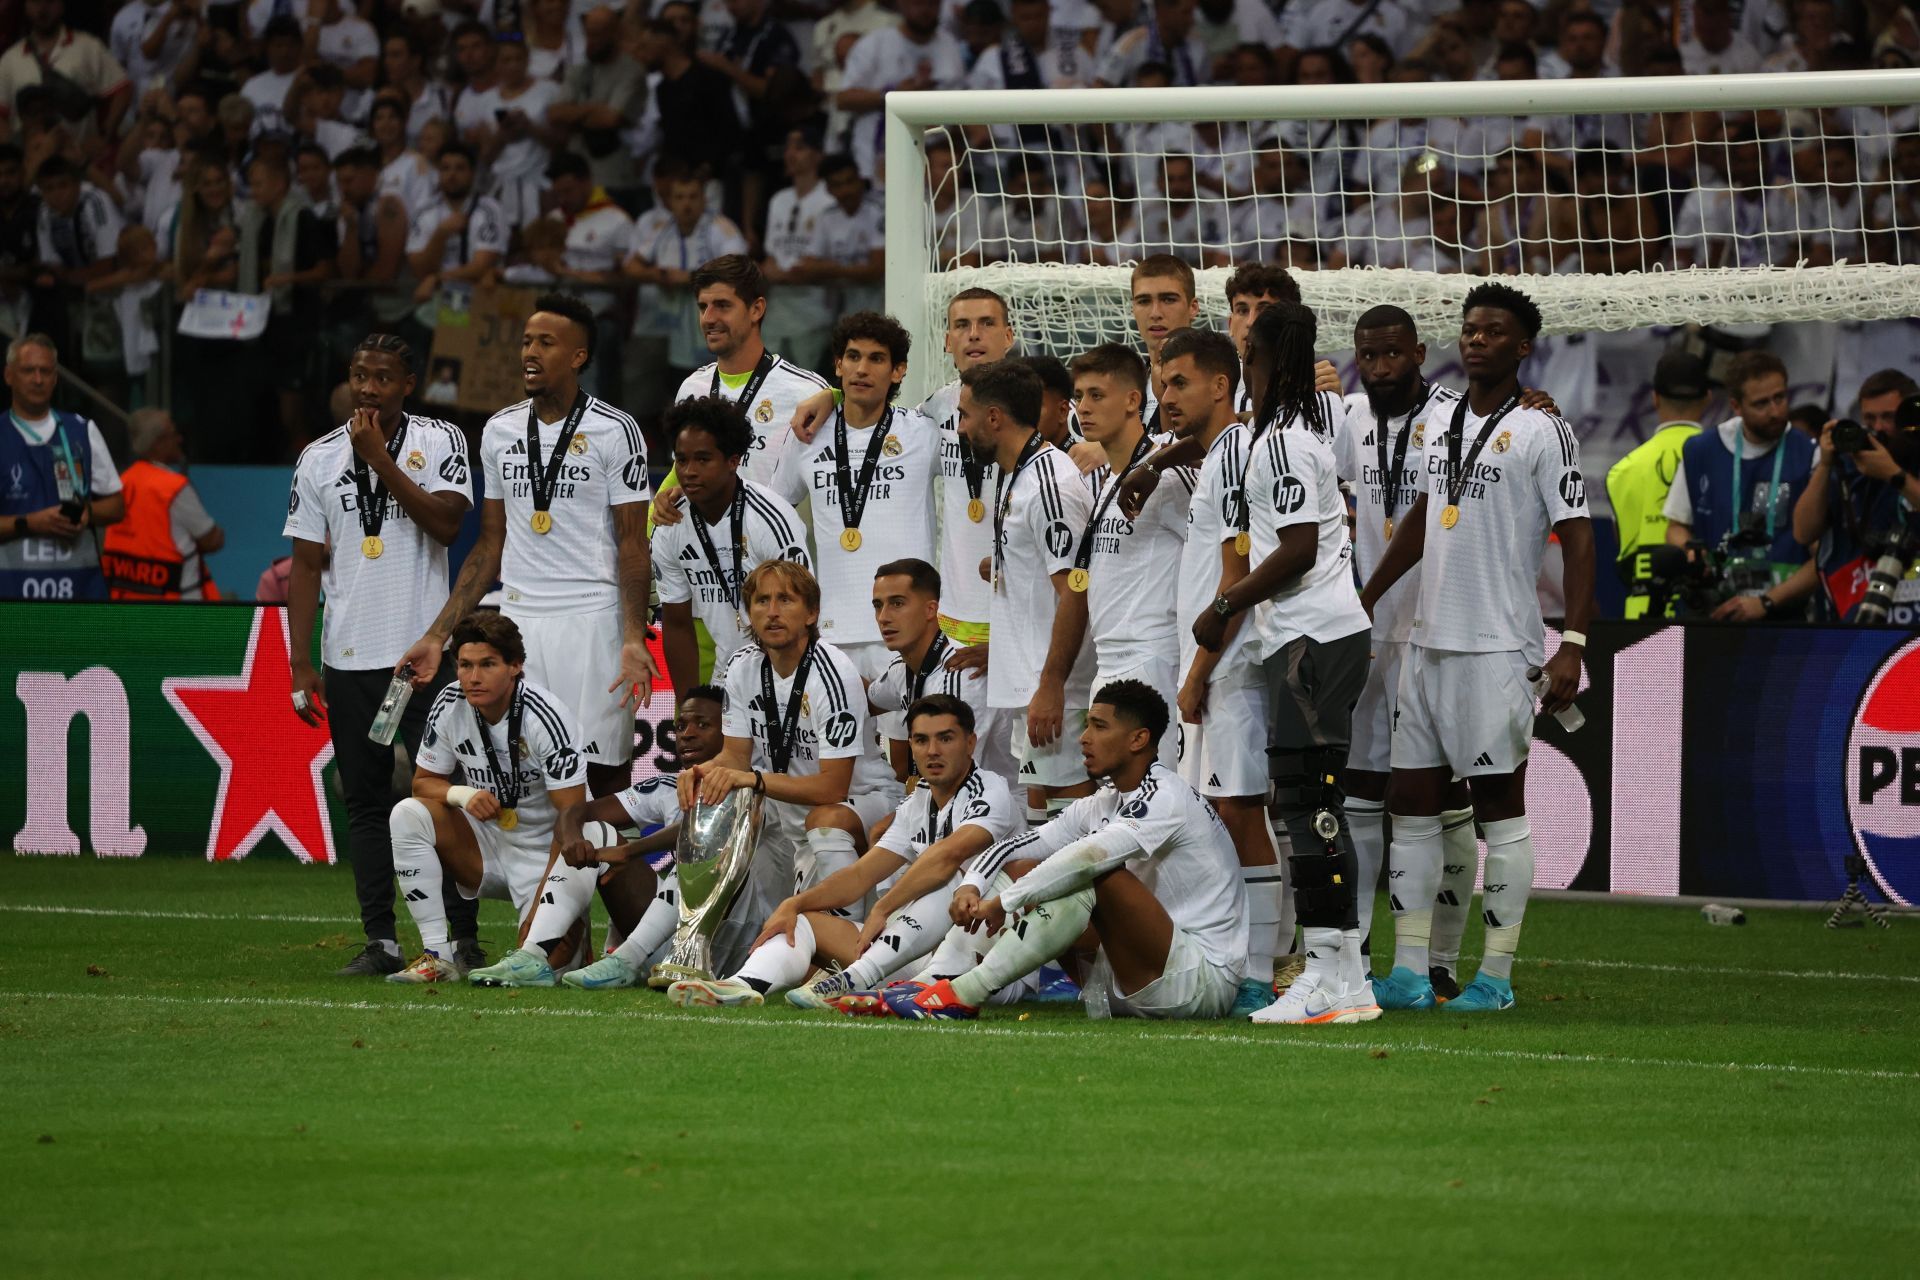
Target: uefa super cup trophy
<point x="712" y="857"/>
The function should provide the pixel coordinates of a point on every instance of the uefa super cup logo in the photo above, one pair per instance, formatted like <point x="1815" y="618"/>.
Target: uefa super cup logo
<point x="1883" y="775"/>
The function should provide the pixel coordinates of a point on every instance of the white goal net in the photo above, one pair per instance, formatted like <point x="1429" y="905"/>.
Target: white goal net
<point x="1616" y="204"/>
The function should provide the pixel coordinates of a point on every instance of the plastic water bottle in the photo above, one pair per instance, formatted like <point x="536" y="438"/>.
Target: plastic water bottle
<point x="1714" y="913"/>
<point x="386" y="722"/>
<point x="1571" y="718"/>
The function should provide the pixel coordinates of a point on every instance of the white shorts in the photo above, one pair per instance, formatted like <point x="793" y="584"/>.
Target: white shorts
<point x="994" y="751"/>
<point x="1226" y="754"/>
<point x="1058" y="764"/>
<point x="1158" y="675"/>
<point x="1472" y="712"/>
<point x="1371" y="751"/>
<point x="1191" y="986"/>
<point x="577" y="656"/>
<point x="513" y="864"/>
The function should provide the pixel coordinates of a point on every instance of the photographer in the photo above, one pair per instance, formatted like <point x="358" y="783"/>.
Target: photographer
<point x="1864" y="487"/>
<point x="1638" y="484"/>
<point x="1735" y="494"/>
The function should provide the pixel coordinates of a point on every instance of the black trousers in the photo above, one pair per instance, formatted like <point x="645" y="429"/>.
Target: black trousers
<point x="366" y="779"/>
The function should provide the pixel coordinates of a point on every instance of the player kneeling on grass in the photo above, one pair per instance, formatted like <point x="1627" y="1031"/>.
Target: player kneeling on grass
<point x="649" y="802"/>
<point x="1143" y="870"/>
<point x="517" y="751"/>
<point x="956" y="814"/>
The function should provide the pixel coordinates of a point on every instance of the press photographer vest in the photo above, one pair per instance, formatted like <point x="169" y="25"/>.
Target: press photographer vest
<point x="35" y="568"/>
<point x="1717" y="510"/>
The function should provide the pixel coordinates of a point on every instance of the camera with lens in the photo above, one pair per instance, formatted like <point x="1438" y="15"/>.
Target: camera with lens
<point x="1895" y="554"/>
<point x="1694" y="580"/>
<point x="1850" y="437"/>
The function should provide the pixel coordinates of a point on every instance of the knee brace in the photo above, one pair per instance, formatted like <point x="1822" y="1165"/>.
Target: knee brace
<point x="1322" y="891"/>
<point x="1308" y="798"/>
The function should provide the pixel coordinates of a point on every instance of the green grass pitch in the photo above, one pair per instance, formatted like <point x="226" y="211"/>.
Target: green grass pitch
<point x="190" y="1093"/>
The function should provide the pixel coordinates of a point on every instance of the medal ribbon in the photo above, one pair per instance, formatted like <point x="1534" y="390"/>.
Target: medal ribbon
<point x="506" y="785"/>
<point x="760" y="372"/>
<point x="736" y="512"/>
<point x="373" y="493"/>
<point x="1390" y="479"/>
<point x="784" y="729"/>
<point x="1003" y="498"/>
<point x="1084" y="556"/>
<point x="1457" y="472"/>
<point x="542" y="479"/>
<point x="853" y="500"/>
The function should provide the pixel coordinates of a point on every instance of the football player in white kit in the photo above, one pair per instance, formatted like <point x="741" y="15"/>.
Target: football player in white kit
<point x="1223" y="696"/>
<point x="1251" y="289"/>
<point x="1142" y="869"/>
<point x="517" y="752"/>
<point x="738" y="524"/>
<point x="796" y="733"/>
<point x="906" y="605"/>
<point x="564" y="527"/>
<point x="957" y="813"/>
<point x="1312" y="637"/>
<point x="1040" y="664"/>
<point x="1497" y="481"/>
<point x="1128" y="566"/>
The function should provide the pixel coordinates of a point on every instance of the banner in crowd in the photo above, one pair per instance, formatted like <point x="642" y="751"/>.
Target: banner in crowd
<point x="476" y="348"/>
<point x="131" y="729"/>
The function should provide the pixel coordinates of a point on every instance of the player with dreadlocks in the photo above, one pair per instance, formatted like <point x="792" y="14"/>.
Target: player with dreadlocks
<point x="1312" y="637"/>
<point x="386" y="491"/>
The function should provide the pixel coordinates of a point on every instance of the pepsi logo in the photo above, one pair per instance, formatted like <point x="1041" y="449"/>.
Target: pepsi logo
<point x="1883" y="775"/>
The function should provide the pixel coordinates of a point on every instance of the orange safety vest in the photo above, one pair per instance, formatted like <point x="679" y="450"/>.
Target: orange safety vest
<point x="138" y="554"/>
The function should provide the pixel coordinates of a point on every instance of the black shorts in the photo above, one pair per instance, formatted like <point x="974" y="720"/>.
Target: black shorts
<point x="1311" y="692"/>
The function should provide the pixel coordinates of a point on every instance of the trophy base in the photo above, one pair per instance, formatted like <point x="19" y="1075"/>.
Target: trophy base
<point x="667" y="973"/>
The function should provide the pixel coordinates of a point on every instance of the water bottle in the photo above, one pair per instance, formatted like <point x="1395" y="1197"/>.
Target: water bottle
<point x="1571" y="718"/>
<point x="1714" y="913"/>
<point x="386" y="722"/>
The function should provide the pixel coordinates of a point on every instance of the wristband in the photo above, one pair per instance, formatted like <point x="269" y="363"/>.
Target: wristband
<point x="458" y="796"/>
<point x="1574" y="637"/>
<point x="759" y="783"/>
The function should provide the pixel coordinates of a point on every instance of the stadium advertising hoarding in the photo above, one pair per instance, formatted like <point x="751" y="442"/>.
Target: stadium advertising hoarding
<point x="139" y="729"/>
<point x="1718" y="760"/>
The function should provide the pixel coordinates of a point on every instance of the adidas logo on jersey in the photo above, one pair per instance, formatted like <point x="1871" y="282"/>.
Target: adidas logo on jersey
<point x="688" y="553"/>
<point x="1483" y="761"/>
<point x="1213" y="779"/>
<point x="590" y="749"/>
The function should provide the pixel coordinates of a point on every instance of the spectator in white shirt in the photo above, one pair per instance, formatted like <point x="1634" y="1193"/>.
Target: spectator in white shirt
<point x="1168" y="39"/>
<point x="797" y="322"/>
<point x="1715" y="48"/>
<point x="151" y="39"/>
<point x="917" y="54"/>
<point x="849" y="247"/>
<point x="403" y="61"/>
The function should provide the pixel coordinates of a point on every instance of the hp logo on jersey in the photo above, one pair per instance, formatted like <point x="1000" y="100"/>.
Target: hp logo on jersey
<point x="1289" y="495"/>
<point x="1059" y="538"/>
<point x="1883" y="775"/>
<point x="841" y="729"/>
<point x="1573" y="489"/>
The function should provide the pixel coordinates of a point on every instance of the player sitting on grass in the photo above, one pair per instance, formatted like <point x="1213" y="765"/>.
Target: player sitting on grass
<point x="515" y="746"/>
<point x="649" y="802"/>
<point x="1146" y="863"/>
<point x="958" y="814"/>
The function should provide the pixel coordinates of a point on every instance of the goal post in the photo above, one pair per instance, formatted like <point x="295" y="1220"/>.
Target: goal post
<point x="1615" y="203"/>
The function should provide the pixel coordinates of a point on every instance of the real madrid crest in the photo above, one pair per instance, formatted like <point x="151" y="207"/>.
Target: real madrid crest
<point x="763" y="412"/>
<point x="1503" y="442"/>
<point x="578" y="445"/>
<point x="1420" y="436"/>
<point x="416" y="461"/>
<point x="806" y="704"/>
<point x="891" y="446"/>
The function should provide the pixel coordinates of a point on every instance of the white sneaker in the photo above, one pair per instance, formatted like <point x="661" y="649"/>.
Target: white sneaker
<point x="1359" y="1004"/>
<point x="1306" y="1003"/>
<point x="713" y="993"/>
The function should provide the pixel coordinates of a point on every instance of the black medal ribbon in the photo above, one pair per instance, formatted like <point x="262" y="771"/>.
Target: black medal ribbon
<point x="760" y="372"/>
<point x="736" y="513"/>
<point x="853" y="499"/>
<point x="917" y="678"/>
<point x="1003" y="497"/>
<point x="1084" y="555"/>
<point x="1390" y="480"/>
<point x="373" y="493"/>
<point x="543" y="478"/>
<point x="972" y="468"/>
<point x="783" y="728"/>
<point x="506" y="785"/>
<point x="934" y="832"/>
<point x="1457" y="472"/>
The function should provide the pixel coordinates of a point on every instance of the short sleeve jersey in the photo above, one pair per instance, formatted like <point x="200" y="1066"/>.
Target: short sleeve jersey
<point x="1358" y="452"/>
<point x="899" y="688"/>
<point x="487" y="230"/>
<point x="771" y="412"/>
<point x="652" y="802"/>
<point x="1214" y="518"/>
<point x="768" y="530"/>
<point x="571" y="568"/>
<point x="1135" y="570"/>
<point x="982" y="801"/>
<point x="376" y="606"/>
<point x="1477" y="579"/>
<point x="1046" y="505"/>
<point x="833" y="715"/>
<point x="549" y="758"/>
<point x="964" y="541"/>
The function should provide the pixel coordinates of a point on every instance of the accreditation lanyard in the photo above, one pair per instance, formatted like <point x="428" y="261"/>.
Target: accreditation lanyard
<point x="1457" y="471"/>
<point x="543" y="478"/>
<point x="1390" y="478"/>
<point x="935" y="831"/>
<point x="737" y="529"/>
<point x="853" y="498"/>
<point x="783" y="728"/>
<point x="1773" y="485"/>
<point x="373" y="491"/>
<point x="1078" y="579"/>
<point x="917" y="688"/>
<point x="974" y="472"/>
<point x="752" y="389"/>
<point x="1003" y="498"/>
<point x="506" y="784"/>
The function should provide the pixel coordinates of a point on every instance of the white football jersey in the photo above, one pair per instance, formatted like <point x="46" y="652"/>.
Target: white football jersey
<point x="652" y="802"/>
<point x="487" y="230"/>
<point x="771" y="413"/>
<point x="898" y="688"/>
<point x="549" y="758"/>
<point x="964" y="542"/>
<point x="1477" y="592"/>
<point x="1214" y="518"/>
<point x="769" y="530"/>
<point x="1045" y="507"/>
<point x="897" y="521"/>
<point x="1164" y="832"/>
<point x="982" y="801"/>
<point x="573" y="567"/>
<point x="1135" y="570"/>
<point x="376" y="608"/>
<point x="1292" y="480"/>
<point x="1357" y="450"/>
<point x="833" y="715"/>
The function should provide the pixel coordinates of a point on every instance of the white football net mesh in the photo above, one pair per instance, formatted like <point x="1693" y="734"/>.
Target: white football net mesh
<point x="1609" y="221"/>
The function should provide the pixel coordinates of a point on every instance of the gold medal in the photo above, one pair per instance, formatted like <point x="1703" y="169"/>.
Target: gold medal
<point x="850" y="539"/>
<point x="1077" y="579"/>
<point x="976" y="511"/>
<point x="371" y="547"/>
<point x="542" y="522"/>
<point x="1389" y="530"/>
<point x="1449" y="516"/>
<point x="1242" y="543"/>
<point x="509" y="819"/>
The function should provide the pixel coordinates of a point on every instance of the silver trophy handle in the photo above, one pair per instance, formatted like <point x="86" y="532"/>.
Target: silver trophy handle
<point x="712" y="857"/>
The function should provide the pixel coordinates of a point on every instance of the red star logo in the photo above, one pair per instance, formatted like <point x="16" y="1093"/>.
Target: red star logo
<point x="270" y="760"/>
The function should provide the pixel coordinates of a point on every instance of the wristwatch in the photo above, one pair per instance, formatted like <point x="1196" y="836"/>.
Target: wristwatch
<point x="1222" y="605"/>
<point x="19" y="526"/>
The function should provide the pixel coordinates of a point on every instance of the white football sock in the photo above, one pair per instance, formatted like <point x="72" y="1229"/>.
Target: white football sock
<point x="417" y="868"/>
<point x="1414" y="878"/>
<point x="1266" y="894"/>
<point x="777" y="964"/>
<point x="662" y="917"/>
<point x="830" y="850"/>
<point x="1047" y="929"/>
<point x="911" y="932"/>
<point x="1368" y="821"/>
<point x="1353" y="961"/>
<point x="1459" y="859"/>
<point x="1326" y="964"/>
<point x="955" y="954"/>
<point x="1509" y="883"/>
<point x="564" y="897"/>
